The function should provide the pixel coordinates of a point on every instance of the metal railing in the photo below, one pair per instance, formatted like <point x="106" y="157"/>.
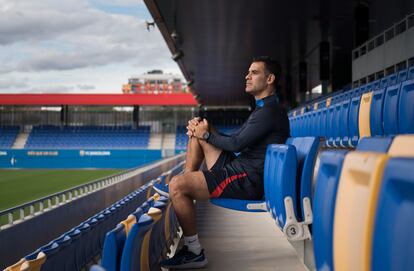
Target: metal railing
<point x="36" y="207"/>
<point x="384" y="36"/>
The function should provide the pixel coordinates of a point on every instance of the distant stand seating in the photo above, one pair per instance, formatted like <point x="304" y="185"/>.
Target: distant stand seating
<point x="96" y="137"/>
<point x="7" y="136"/>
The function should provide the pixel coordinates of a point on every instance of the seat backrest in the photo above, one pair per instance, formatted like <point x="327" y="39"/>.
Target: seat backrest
<point x="16" y="266"/>
<point x="376" y="84"/>
<point x="393" y="244"/>
<point x="336" y="123"/>
<point x="353" y="120"/>
<point x="392" y="79"/>
<point x="390" y="113"/>
<point x="402" y="76"/>
<point x="113" y="247"/>
<point x="330" y="120"/>
<point x="410" y="73"/>
<point x="131" y="220"/>
<point x="134" y="248"/>
<point x="376" y="120"/>
<point x="34" y="264"/>
<point x="324" y="207"/>
<point x="406" y="108"/>
<point x="374" y="144"/>
<point x="364" y="115"/>
<point x="323" y="123"/>
<point x="344" y="121"/>
<point x="306" y="152"/>
<point x="355" y="203"/>
<point x="279" y="179"/>
<point x="384" y="82"/>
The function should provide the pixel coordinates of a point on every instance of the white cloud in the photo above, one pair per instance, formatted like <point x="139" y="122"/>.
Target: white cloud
<point x="67" y="44"/>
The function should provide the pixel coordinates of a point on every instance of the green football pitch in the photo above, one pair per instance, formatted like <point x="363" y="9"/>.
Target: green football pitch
<point x="21" y="186"/>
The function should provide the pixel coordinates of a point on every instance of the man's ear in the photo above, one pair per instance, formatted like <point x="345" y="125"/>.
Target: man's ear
<point x="271" y="78"/>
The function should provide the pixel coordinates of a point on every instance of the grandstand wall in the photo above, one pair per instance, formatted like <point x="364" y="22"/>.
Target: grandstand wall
<point x="81" y="158"/>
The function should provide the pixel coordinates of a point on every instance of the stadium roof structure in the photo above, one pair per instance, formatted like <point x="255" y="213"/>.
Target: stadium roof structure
<point x="213" y="41"/>
<point x="172" y="99"/>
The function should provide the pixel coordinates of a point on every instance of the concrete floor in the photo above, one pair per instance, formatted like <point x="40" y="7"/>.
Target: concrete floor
<point x="243" y="241"/>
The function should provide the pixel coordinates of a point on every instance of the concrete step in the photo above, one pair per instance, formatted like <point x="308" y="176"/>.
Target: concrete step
<point x="20" y="140"/>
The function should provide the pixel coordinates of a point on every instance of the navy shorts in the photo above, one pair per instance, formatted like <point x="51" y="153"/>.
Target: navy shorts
<point x="225" y="180"/>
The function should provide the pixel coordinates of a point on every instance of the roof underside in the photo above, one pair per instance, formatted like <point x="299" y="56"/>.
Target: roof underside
<point x="219" y="38"/>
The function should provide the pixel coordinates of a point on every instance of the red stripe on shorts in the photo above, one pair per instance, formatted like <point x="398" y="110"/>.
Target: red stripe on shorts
<point x="220" y="188"/>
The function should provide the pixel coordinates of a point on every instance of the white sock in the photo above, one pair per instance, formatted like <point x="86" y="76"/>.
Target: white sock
<point x="193" y="244"/>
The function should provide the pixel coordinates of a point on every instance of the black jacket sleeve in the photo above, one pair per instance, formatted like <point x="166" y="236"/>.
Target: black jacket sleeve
<point x="257" y="126"/>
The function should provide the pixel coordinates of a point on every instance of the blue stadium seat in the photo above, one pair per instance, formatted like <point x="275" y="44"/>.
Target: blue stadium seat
<point x="288" y="193"/>
<point x="306" y="151"/>
<point x="406" y="108"/>
<point x="157" y="239"/>
<point x="376" y="111"/>
<point x="410" y="74"/>
<point x="392" y="79"/>
<point x="131" y="255"/>
<point x="384" y="82"/>
<point x="353" y="121"/>
<point x="376" y="84"/>
<point x="330" y="120"/>
<point x="280" y="180"/>
<point x="322" y="126"/>
<point x="59" y="258"/>
<point x="96" y="267"/>
<point x="390" y="113"/>
<point x="402" y="76"/>
<point x="81" y="258"/>
<point x="344" y="123"/>
<point x="112" y="249"/>
<point x="324" y="207"/>
<point x="374" y="144"/>
<point x="393" y="243"/>
<point x="337" y="125"/>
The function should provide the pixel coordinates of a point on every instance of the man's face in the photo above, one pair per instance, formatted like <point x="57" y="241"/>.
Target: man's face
<point x="256" y="78"/>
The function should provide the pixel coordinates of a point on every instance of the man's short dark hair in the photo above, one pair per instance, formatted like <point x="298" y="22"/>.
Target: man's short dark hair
<point x="271" y="65"/>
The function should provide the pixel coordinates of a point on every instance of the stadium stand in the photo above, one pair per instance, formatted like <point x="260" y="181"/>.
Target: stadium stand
<point x="97" y="137"/>
<point x="7" y="136"/>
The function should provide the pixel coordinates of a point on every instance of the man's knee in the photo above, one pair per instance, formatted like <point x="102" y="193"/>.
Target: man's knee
<point x="177" y="186"/>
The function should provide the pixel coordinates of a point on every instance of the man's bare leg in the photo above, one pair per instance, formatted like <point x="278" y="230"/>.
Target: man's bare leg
<point x="194" y="156"/>
<point x="184" y="189"/>
<point x="190" y="185"/>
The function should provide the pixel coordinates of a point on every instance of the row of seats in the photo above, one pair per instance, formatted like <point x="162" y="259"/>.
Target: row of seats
<point x="358" y="207"/>
<point x="140" y="241"/>
<point x="53" y="137"/>
<point x="381" y="108"/>
<point x="7" y="136"/>
<point x="363" y="206"/>
<point x="80" y="246"/>
<point x="288" y="175"/>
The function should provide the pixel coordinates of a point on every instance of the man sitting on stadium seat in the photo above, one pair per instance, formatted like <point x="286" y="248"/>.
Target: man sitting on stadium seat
<point x="227" y="176"/>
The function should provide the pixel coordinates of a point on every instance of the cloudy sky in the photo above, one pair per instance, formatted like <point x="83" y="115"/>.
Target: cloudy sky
<point x="77" y="46"/>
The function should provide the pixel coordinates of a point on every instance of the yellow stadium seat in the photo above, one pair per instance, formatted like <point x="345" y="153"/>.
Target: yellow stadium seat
<point x="364" y="115"/>
<point x="402" y="146"/>
<point x="16" y="266"/>
<point x="355" y="209"/>
<point x="128" y="223"/>
<point x="34" y="265"/>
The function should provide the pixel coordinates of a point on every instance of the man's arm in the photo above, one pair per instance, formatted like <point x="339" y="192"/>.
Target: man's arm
<point x="254" y="129"/>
